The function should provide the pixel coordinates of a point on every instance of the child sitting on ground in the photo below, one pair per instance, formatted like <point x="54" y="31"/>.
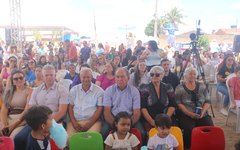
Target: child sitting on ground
<point x="39" y="118"/>
<point x="163" y="140"/>
<point x="120" y="138"/>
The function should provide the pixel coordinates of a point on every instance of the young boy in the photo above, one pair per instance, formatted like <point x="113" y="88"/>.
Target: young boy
<point x="163" y="140"/>
<point x="39" y="118"/>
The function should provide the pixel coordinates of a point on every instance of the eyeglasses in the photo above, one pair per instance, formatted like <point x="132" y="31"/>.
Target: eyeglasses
<point x="18" y="78"/>
<point x="155" y="74"/>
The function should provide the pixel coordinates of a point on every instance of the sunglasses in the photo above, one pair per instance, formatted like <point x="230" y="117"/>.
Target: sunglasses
<point x="18" y="78"/>
<point x="155" y="74"/>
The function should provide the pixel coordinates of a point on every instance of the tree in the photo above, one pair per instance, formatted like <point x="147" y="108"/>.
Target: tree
<point x="149" y="30"/>
<point x="203" y="42"/>
<point x="174" y="16"/>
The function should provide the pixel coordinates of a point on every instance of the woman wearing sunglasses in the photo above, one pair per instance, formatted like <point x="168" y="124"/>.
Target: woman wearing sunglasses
<point x="224" y="70"/>
<point x="15" y="99"/>
<point x="156" y="98"/>
<point x="6" y="71"/>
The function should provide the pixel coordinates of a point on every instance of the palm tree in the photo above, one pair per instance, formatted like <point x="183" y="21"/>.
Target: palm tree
<point x="149" y="30"/>
<point x="175" y="17"/>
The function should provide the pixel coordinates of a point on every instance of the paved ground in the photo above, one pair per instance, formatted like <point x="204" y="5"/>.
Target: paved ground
<point x="231" y="137"/>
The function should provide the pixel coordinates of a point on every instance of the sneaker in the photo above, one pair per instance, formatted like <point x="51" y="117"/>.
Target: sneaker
<point x="224" y="112"/>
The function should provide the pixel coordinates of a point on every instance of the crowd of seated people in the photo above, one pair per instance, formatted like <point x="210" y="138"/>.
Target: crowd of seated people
<point x="108" y="89"/>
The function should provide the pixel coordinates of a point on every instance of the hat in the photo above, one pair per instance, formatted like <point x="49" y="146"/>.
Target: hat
<point x="13" y="56"/>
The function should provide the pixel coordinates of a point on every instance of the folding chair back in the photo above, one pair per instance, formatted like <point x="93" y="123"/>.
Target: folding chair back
<point x="86" y="141"/>
<point x="207" y="138"/>
<point x="176" y="131"/>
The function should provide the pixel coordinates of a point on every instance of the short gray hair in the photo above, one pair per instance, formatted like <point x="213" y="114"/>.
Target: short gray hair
<point x="126" y="71"/>
<point x="157" y="69"/>
<point x="48" y="67"/>
<point x="85" y="70"/>
<point x="188" y="70"/>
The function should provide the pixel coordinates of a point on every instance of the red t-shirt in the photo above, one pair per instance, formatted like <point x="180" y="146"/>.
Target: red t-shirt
<point x="235" y="84"/>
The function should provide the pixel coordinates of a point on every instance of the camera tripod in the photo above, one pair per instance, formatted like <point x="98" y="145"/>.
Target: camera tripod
<point x="196" y="60"/>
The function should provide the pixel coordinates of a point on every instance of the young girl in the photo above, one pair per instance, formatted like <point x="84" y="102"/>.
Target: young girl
<point x="120" y="138"/>
<point x="163" y="140"/>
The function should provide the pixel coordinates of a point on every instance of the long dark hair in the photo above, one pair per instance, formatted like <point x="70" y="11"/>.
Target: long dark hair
<point x="113" y="67"/>
<point x="137" y="76"/>
<point x="223" y="63"/>
<point x="8" y="94"/>
<point x="120" y="115"/>
<point x="153" y="45"/>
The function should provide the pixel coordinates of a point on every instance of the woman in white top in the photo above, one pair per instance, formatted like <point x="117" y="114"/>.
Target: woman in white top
<point x="152" y="55"/>
<point x="140" y="75"/>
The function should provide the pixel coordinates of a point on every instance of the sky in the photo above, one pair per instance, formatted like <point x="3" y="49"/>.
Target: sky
<point x="114" y="16"/>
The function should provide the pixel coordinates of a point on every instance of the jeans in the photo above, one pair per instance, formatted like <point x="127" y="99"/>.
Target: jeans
<point x="222" y="88"/>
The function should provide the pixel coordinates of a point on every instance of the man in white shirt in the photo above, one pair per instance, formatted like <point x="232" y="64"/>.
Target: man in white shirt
<point x="85" y="106"/>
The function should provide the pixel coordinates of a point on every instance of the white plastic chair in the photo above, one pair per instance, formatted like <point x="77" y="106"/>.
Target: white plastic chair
<point x="66" y="83"/>
<point x="220" y="100"/>
<point x="210" y="76"/>
<point x="234" y="110"/>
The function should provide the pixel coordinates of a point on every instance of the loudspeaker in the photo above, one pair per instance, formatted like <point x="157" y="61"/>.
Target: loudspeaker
<point x="236" y="43"/>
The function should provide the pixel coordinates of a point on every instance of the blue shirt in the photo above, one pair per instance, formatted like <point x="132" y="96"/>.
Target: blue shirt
<point x="85" y="103"/>
<point x="30" y="76"/>
<point x="122" y="100"/>
<point x="68" y="76"/>
<point x="85" y="51"/>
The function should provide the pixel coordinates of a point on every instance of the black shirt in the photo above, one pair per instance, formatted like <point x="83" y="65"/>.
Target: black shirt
<point x="152" y="103"/>
<point x="171" y="79"/>
<point x="224" y="71"/>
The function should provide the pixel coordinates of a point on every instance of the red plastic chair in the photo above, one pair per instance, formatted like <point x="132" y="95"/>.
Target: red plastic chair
<point x="6" y="143"/>
<point x="207" y="138"/>
<point x="137" y="133"/>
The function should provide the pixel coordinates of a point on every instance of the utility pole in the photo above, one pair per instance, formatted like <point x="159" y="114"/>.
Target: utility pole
<point x="95" y="28"/>
<point x="16" y="32"/>
<point x="156" y="19"/>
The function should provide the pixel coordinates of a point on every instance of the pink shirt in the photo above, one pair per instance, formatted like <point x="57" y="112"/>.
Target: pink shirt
<point x="105" y="82"/>
<point x="52" y="97"/>
<point x="234" y="82"/>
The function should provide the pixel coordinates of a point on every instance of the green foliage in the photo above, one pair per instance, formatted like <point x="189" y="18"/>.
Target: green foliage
<point x="174" y="16"/>
<point x="149" y="30"/>
<point x="203" y="42"/>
